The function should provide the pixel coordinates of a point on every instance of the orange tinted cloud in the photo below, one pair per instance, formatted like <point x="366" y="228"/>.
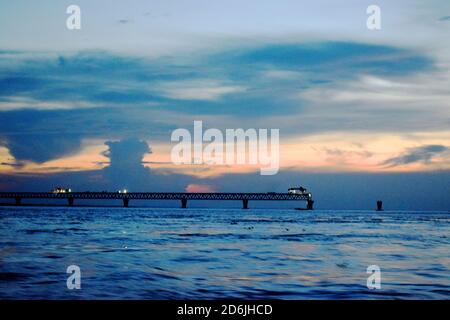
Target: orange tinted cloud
<point x="200" y="188"/>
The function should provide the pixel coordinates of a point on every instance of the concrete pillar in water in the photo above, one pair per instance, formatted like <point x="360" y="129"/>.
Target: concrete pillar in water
<point x="18" y="201"/>
<point x="379" y="205"/>
<point x="184" y="203"/>
<point x="70" y="200"/>
<point x="310" y="205"/>
<point x="244" y="203"/>
<point x="125" y="202"/>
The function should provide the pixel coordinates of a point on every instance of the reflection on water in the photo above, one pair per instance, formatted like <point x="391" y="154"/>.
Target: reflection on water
<point x="144" y="253"/>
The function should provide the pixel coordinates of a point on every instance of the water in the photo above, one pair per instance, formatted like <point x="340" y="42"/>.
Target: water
<point x="145" y="253"/>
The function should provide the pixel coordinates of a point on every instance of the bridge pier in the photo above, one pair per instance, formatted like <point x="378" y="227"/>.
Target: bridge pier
<point x="18" y="201"/>
<point x="310" y="205"/>
<point x="244" y="203"/>
<point x="70" y="201"/>
<point x="184" y="203"/>
<point x="379" y="205"/>
<point x="126" y="201"/>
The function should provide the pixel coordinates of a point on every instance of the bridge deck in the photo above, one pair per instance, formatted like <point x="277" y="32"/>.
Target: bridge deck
<point x="156" y="196"/>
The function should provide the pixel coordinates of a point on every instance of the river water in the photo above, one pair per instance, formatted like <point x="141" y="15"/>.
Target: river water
<point x="148" y="253"/>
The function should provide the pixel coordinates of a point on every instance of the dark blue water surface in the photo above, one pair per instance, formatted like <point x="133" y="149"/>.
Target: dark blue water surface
<point x="147" y="253"/>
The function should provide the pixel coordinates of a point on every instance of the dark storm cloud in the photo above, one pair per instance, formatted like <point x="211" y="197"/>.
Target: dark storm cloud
<point x="37" y="136"/>
<point x="423" y="154"/>
<point x="127" y="153"/>
<point x="126" y="168"/>
<point x="42" y="147"/>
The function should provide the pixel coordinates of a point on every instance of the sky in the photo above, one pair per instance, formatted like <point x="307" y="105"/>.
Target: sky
<point x="363" y="114"/>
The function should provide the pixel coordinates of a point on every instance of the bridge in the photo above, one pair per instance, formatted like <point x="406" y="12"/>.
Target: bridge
<point x="180" y="196"/>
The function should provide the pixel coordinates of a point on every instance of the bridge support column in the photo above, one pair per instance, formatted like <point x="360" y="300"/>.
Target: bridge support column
<point x="379" y="205"/>
<point x="18" y="201"/>
<point x="184" y="203"/>
<point x="244" y="203"/>
<point x="126" y="201"/>
<point x="70" y="201"/>
<point x="310" y="205"/>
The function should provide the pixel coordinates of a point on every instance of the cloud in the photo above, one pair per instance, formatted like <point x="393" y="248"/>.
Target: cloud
<point x="331" y="58"/>
<point x="200" y="188"/>
<point x="80" y="80"/>
<point x="40" y="148"/>
<point x="14" y="165"/>
<point x="423" y="154"/>
<point x="346" y="157"/>
<point x="126" y="168"/>
<point x="206" y="90"/>
<point x="377" y="103"/>
<point x="127" y="153"/>
<point x="444" y="18"/>
<point x="55" y="101"/>
<point x="102" y="79"/>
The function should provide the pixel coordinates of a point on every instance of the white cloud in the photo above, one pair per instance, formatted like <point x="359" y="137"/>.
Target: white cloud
<point x="423" y="92"/>
<point x="18" y="103"/>
<point x="208" y="90"/>
<point x="279" y="74"/>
